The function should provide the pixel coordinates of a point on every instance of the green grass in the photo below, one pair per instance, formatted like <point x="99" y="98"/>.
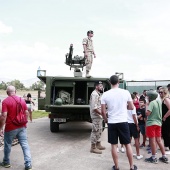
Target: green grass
<point x="39" y="114"/>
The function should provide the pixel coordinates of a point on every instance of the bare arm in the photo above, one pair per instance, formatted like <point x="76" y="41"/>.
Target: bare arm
<point x="139" y="116"/>
<point x="135" y="121"/>
<point x="103" y="111"/>
<point x="3" y="119"/>
<point x="148" y="113"/>
<point x="167" y="103"/>
<point x="130" y="105"/>
<point x="26" y="112"/>
<point x="98" y="111"/>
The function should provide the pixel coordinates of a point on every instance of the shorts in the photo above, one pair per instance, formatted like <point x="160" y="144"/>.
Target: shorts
<point x="118" y="130"/>
<point x="29" y="106"/>
<point x="142" y="129"/>
<point x="153" y="131"/>
<point x="133" y="130"/>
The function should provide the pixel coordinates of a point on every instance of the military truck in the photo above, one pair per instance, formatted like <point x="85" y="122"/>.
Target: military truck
<point x="67" y="98"/>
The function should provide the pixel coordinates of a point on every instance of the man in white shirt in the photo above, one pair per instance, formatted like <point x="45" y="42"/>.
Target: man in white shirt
<point x="117" y="100"/>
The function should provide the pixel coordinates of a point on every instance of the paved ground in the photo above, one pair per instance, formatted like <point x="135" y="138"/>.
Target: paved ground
<point x="69" y="150"/>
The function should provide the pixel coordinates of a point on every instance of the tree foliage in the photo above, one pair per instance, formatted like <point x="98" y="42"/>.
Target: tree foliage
<point x="3" y="86"/>
<point x="16" y="83"/>
<point x="37" y="85"/>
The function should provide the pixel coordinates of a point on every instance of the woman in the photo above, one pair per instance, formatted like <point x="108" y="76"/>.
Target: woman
<point x="29" y="103"/>
<point x="164" y="94"/>
<point x="136" y="100"/>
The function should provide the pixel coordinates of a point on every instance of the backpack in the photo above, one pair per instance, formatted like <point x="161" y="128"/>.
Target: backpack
<point x="20" y="118"/>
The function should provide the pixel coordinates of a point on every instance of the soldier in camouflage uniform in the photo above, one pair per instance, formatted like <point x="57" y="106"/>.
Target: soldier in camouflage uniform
<point x="88" y="52"/>
<point x="95" y="113"/>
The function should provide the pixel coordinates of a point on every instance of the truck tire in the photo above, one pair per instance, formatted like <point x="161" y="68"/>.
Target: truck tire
<point x="54" y="126"/>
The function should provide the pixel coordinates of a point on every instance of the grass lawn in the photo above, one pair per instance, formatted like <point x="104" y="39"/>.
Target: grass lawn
<point x="39" y="114"/>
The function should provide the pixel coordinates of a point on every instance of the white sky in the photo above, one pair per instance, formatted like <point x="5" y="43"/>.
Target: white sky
<point x="130" y="36"/>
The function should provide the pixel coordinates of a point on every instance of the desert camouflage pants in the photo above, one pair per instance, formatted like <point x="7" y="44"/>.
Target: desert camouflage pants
<point x="89" y="61"/>
<point x="96" y="130"/>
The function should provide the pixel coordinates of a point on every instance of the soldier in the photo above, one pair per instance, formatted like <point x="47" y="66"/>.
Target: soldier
<point x="95" y="113"/>
<point x="88" y="52"/>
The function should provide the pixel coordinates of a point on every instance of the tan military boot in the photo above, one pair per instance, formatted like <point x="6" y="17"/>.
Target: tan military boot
<point x="99" y="146"/>
<point x="94" y="149"/>
<point x="87" y="74"/>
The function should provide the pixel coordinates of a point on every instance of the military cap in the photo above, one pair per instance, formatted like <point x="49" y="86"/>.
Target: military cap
<point x="96" y="83"/>
<point x="89" y="32"/>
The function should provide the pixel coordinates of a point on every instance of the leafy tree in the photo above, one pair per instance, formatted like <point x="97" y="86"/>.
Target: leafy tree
<point x="37" y="85"/>
<point x="3" y="85"/>
<point x="16" y="83"/>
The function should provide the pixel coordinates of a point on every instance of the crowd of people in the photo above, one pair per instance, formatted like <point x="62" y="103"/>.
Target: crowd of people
<point x="146" y="115"/>
<point x="127" y="115"/>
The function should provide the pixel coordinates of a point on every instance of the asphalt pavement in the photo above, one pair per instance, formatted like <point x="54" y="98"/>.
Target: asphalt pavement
<point x="70" y="150"/>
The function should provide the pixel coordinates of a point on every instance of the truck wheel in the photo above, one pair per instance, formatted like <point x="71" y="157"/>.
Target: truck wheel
<point x="103" y="125"/>
<point x="54" y="126"/>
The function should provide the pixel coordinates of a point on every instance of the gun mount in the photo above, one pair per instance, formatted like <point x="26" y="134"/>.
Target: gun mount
<point x="75" y="62"/>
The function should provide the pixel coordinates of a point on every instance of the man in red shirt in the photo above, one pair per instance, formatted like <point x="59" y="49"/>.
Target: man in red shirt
<point x="9" y="107"/>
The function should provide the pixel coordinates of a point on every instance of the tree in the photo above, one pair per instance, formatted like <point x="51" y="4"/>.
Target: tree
<point x="16" y="83"/>
<point x="37" y="85"/>
<point x="3" y="86"/>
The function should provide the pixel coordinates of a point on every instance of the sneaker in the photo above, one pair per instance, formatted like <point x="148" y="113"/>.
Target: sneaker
<point x="167" y="152"/>
<point x="151" y="160"/>
<point x="114" y="168"/>
<point x="139" y="157"/>
<point x="134" y="155"/>
<point x="142" y="146"/>
<point x="5" y="165"/>
<point x="164" y="159"/>
<point x="122" y="150"/>
<point x="28" y="168"/>
<point x="134" y="167"/>
<point x="117" y="150"/>
<point x="149" y="151"/>
<point x="166" y="148"/>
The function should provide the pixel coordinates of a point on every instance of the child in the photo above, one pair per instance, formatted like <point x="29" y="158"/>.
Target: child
<point x="153" y="127"/>
<point x="134" y="129"/>
<point x="141" y="119"/>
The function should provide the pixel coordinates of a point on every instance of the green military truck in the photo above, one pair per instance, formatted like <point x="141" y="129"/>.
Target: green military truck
<point x="67" y="98"/>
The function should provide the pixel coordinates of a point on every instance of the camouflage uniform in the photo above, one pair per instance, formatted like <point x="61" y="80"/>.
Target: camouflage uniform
<point x="96" y="118"/>
<point x="90" y="51"/>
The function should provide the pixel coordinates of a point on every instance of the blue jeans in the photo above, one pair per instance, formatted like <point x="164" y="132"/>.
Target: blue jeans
<point x="21" y="135"/>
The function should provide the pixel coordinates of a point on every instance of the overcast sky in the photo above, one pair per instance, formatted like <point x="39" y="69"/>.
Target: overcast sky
<point x="130" y="36"/>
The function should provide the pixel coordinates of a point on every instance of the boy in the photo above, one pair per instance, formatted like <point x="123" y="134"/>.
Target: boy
<point x="141" y="119"/>
<point x="153" y="127"/>
<point x="134" y="128"/>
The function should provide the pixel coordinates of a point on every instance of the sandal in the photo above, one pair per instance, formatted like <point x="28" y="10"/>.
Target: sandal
<point x="134" y="167"/>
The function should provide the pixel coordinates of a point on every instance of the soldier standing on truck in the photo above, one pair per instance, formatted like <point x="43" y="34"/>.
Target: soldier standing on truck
<point x="97" y="119"/>
<point x="88" y="52"/>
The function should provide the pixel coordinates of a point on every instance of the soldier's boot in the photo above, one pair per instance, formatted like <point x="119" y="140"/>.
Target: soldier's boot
<point x="87" y="74"/>
<point x="99" y="146"/>
<point x="94" y="149"/>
